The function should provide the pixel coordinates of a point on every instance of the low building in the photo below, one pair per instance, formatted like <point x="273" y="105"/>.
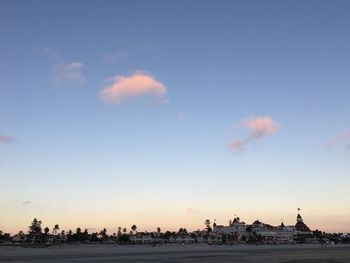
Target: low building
<point x="141" y="238"/>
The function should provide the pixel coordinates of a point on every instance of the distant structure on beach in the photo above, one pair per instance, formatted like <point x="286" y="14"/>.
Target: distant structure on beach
<point x="236" y="232"/>
<point x="258" y="230"/>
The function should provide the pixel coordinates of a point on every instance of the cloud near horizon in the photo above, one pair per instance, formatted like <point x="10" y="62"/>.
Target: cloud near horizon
<point x="343" y="138"/>
<point x="258" y="128"/>
<point x="138" y="84"/>
<point x="5" y="138"/>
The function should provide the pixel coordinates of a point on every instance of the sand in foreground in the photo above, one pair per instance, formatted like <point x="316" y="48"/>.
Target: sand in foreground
<point x="177" y="253"/>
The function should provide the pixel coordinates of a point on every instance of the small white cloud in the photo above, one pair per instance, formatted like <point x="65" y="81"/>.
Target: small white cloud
<point x="138" y="84"/>
<point x="257" y="128"/>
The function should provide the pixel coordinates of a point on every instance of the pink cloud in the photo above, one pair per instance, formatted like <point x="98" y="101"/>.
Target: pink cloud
<point x="138" y="84"/>
<point x="256" y="128"/>
<point x="341" y="139"/>
<point x="260" y="126"/>
<point x="5" y="138"/>
<point x="236" y="145"/>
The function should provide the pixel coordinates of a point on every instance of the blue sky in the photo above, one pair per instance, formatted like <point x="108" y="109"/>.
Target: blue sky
<point x="271" y="76"/>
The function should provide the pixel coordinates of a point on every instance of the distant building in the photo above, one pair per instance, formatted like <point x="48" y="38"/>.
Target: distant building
<point x="261" y="231"/>
<point x="141" y="238"/>
<point x="236" y="228"/>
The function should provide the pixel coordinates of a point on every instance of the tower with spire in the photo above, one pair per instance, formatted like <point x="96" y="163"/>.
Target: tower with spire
<point x="299" y="218"/>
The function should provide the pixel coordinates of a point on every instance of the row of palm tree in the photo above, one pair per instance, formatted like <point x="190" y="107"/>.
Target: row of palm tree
<point x="36" y="228"/>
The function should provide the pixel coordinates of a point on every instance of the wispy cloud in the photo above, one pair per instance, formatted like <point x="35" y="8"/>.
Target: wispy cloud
<point x="65" y="73"/>
<point x="113" y="57"/>
<point x="343" y="138"/>
<point x="25" y="202"/>
<point x="52" y="54"/>
<point x="71" y="72"/>
<point x="180" y="116"/>
<point x="138" y="84"/>
<point x="6" y="138"/>
<point x="256" y="128"/>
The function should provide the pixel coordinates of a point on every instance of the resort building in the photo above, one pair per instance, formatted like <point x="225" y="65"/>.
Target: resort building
<point x="240" y="231"/>
<point x="236" y="228"/>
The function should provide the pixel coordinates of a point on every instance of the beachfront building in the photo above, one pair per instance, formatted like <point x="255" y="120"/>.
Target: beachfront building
<point x="257" y="231"/>
<point x="275" y="235"/>
<point x="141" y="238"/>
<point x="235" y="228"/>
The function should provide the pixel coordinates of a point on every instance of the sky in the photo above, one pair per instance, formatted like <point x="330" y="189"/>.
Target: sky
<point x="167" y="113"/>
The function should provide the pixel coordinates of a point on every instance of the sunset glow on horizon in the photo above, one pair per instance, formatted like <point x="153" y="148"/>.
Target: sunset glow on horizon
<point x="168" y="113"/>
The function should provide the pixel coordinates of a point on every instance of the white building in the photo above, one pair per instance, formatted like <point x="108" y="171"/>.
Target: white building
<point x="140" y="238"/>
<point x="237" y="228"/>
<point x="266" y="233"/>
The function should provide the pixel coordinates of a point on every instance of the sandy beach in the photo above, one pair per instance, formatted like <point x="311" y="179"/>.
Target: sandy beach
<point x="177" y="253"/>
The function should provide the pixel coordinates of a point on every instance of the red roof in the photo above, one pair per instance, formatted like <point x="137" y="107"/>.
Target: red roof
<point x="300" y="226"/>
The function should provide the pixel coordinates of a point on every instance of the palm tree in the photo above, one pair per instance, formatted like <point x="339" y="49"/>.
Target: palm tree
<point x="207" y="223"/>
<point x="158" y="230"/>
<point x="55" y="229"/>
<point x="103" y="234"/>
<point x="133" y="228"/>
<point x="78" y="234"/>
<point x="46" y="231"/>
<point x="85" y="235"/>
